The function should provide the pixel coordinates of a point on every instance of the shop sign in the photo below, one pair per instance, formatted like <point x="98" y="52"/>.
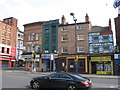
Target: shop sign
<point x="117" y="56"/>
<point x="48" y="56"/>
<point x="102" y="58"/>
<point x="26" y="56"/>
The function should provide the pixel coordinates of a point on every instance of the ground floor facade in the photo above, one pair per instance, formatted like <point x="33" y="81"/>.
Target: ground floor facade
<point x="7" y="61"/>
<point x="67" y="63"/>
<point x="101" y="64"/>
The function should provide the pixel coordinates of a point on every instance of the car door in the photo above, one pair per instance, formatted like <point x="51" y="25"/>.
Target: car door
<point x="52" y="81"/>
<point x="63" y="81"/>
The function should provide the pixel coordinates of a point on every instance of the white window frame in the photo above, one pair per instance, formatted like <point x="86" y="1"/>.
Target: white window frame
<point x="63" y="50"/>
<point x="81" y="37"/>
<point x="64" y="38"/>
<point x="9" y="28"/>
<point x="29" y="37"/>
<point x="64" y="29"/>
<point x="80" y="27"/>
<point x="36" y="37"/>
<point x="79" y="49"/>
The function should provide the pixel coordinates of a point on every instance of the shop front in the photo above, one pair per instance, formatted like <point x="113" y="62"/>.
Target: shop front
<point x="31" y="63"/>
<point x="67" y="63"/>
<point x="7" y="61"/>
<point x="49" y="62"/>
<point x="101" y="65"/>
<point x="117" y="64"/>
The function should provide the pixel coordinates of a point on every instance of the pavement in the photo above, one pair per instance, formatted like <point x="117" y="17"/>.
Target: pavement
<point x="22" y="70"/>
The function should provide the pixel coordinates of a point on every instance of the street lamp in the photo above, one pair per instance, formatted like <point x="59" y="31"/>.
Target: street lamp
<point x="76" y="57"/>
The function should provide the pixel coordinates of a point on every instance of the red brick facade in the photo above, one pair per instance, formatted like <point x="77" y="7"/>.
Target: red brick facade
<point x="8" y="35"/>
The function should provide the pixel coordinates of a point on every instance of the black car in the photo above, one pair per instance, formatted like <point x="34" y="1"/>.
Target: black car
<point x="61" y="80"/>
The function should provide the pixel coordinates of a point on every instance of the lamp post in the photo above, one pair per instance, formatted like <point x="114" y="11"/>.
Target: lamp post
<point x="76" y="57"/>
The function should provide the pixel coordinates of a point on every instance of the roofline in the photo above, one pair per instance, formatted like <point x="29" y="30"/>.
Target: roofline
<point x="29" y="24"/>
<point x="73" y="24"/>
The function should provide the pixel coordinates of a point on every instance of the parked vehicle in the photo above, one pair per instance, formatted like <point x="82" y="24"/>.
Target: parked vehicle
<point x="61" y="80"/>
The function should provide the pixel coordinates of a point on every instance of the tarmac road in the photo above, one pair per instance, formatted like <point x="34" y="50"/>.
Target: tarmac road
<point x="19" y="80"/>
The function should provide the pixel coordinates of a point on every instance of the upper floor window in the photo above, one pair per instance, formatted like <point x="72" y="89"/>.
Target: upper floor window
<point x="4" y="26"/>
<point x="106" y="37"/>
<point x="95" y="38"/>
<point x="106" y="48"/>
<point x="81" y="37"/>
<point x="64" y="38"/>
<point x="28" y="48"/>
<point x="33" y="36"/>
<point x="81" y="49"/>
<point x="9" y="27"/>
<point x="64" y="50"/>
<point x="64" y="29"/>
<point x="37" y="48"/>
<point x="80" y="27"/>
<point x="8" y="42"/>
<point x="28" y="37"/>
<point x="8" y="34"/>
<point x="3" y="40"/>
<point x="96" y="49"/>
<point x="36" y="37"/>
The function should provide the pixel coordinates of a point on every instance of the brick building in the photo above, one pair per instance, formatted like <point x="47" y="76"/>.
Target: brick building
<point x="32" y="44"/>
<point x="117" y="31"/>
<point x="101" y="49"/>
<point x="8" y="34"/>
<point x="66" y="45"/>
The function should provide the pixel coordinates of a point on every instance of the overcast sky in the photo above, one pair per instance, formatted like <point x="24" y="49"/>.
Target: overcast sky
<point x="28" y="11"/>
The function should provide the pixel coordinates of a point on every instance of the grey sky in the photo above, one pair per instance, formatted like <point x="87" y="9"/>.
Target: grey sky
<point x="27" y="11"/>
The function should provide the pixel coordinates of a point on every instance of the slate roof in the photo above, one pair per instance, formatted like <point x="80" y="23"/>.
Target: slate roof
<point x="99" y="29"/>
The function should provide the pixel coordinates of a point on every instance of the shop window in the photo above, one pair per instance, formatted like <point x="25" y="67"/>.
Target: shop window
<point x="81" y="64"/>
<point x="71" y="65"/>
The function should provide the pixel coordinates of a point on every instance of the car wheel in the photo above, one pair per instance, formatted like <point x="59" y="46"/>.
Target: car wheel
<point x="35" y="85"/>
<point x="71" y="87"/>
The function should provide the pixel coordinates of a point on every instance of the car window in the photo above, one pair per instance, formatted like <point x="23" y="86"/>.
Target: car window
<point x="64" y="76"/>
<point x="54" y="75"/>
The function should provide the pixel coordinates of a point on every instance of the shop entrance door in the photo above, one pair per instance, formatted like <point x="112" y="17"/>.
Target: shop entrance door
<point x="71" y="65"/>
<point x="93" y="68"/>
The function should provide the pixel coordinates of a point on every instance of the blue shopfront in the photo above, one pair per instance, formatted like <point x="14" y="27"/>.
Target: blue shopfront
<point x="49" y="62"/>
<point x="117" y="64"/>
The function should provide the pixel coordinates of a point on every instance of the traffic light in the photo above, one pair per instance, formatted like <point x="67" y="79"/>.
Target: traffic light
<point x="33" y="55"/>
<point x="76" y="58"/>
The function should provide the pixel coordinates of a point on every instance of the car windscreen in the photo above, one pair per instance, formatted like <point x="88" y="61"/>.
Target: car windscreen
<point x="78" y="77"/>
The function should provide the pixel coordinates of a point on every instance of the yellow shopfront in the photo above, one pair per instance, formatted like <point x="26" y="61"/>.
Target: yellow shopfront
<point x="101" y="65"/>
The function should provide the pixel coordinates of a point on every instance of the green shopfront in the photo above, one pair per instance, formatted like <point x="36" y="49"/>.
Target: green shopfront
<point x="101" y="65"/>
